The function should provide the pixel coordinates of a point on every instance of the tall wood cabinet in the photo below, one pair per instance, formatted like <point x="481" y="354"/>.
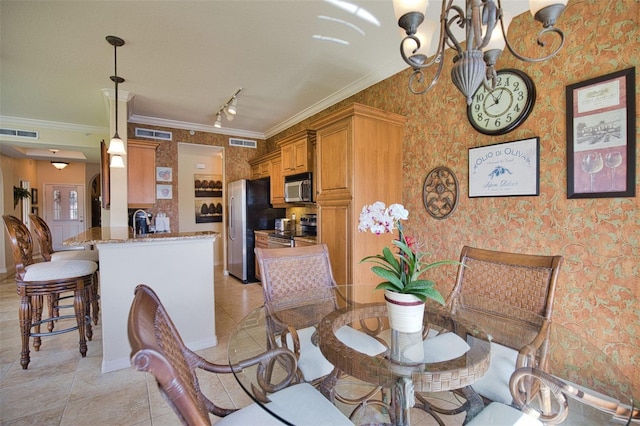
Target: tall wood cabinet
<point x="141" y="173"/>
<point x="359" y="162"/>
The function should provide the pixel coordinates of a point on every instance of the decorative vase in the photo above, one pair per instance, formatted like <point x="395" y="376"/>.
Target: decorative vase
<point x="405" y="311"/>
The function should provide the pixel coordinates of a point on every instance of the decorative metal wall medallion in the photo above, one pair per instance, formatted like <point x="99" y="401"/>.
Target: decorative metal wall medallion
<point x="440" y="192"/>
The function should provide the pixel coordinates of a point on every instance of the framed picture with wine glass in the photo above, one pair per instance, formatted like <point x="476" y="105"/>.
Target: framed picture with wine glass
<point x="601" y="136"/>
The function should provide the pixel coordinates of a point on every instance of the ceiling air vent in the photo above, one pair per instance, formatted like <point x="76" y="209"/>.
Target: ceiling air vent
<point x="153" y="134"/>
<point x="243" y="143"/>
<point x="30" y="134"/>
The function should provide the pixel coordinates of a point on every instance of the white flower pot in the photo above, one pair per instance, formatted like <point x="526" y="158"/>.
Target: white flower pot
<point x="406" y="311"/>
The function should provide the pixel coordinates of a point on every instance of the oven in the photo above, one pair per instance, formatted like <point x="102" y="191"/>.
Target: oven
<point x="279" y="241"/>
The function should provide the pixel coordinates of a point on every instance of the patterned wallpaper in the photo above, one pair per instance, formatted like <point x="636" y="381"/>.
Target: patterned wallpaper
<point x="599" y="286"/>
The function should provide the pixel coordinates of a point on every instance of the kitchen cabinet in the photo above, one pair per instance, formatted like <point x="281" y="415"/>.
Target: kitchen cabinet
<point x="358" y="162"/>
<point x="297" y="153"/>
<point x="262" y="241"/>
<point x="141" y="174"/>
<point x="303" y="242"/>
<point x="260" y="168"/>
<point x="270" y="165"/>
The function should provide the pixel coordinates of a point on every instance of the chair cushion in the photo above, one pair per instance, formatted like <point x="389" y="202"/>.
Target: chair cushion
<point x="314" y="365"/>
<point x="91" y="255"/>
<point x="64" y="269"/>
<point x="494" y="385"/>
<point x="442" y="347"/>
<point x="360" y="341"/>
<point x="300" y="404"/>
<point x="503" y="415"/>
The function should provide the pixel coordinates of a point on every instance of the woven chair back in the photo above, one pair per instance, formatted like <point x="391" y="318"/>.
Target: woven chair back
<point x="157" y="347"/>
<point x="509" y="292"/>
<point x="296" y="276"/>
<point x="43" y="233"/>
<point x="21" y="242"/>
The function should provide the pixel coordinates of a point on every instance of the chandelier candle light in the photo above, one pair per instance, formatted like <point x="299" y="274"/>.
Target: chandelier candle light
<point x="474" y="64"/>
<point x="405" y="292"/>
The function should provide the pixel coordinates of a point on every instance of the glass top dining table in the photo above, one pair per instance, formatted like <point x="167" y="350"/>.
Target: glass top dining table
<point x="408" y="373"/>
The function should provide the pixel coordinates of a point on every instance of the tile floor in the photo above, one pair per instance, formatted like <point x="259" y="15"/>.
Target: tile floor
<point x="62" y="388"/>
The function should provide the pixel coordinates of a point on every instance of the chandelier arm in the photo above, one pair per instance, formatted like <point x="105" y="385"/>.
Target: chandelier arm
<point x="540" y="43"/>
<point x="450" y="39"/>
<point x="420" y="76"/>
<point x="493" y="14"/>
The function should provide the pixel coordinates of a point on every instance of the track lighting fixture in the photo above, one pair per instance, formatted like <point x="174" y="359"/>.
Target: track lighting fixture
<point x="229" y="109"/>
<point x="116" y="145"/>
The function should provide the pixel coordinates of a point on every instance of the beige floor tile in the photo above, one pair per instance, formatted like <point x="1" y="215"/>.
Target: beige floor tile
<point x="50" y="416"/>
<point x="127" y="406"/>
<point x="19" y="399"/>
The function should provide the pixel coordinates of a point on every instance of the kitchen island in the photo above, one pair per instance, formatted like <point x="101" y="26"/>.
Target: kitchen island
<point x="177" y="265"/>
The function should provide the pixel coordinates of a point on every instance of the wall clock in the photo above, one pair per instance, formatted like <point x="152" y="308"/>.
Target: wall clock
<point x="499" y="111"/>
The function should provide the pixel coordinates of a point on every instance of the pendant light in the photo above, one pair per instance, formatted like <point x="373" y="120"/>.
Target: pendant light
<point x="59" y="164"/>
<point x="116" y="145"/>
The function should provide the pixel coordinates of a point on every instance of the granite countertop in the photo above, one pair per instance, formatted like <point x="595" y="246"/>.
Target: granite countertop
<point x="264" y="231"/>
<point x="124" y="235"/>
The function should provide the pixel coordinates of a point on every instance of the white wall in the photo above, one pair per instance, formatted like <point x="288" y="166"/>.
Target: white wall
<point x="203" y="160"/>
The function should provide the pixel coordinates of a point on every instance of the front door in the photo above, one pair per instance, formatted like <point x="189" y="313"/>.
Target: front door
<point x="64" y="212"/>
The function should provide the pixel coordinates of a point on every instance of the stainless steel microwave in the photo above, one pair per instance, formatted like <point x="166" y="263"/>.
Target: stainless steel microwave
<point x="298" y="188"/>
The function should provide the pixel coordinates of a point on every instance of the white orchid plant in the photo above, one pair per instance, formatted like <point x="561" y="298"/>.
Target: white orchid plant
<point x="401" y="273"/>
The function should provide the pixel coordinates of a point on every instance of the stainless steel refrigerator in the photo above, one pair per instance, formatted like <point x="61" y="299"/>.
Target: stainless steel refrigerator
<point x="248" y="203"/>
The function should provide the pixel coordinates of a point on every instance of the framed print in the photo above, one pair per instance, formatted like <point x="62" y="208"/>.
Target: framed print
<point x="164" y="192"/>
<point x="34" y="196"/>
<point x="34" y="210"/>
<point x="164" y="174"/>
<point x="601" y="136"/>
<point x="505" y="169"/>
<point x="207" y="185"/>
<point x="209" y="210"/>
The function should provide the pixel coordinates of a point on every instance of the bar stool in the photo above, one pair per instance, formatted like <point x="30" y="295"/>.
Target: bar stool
<point x="51" y="279"/>
<point x="43" y="234"/>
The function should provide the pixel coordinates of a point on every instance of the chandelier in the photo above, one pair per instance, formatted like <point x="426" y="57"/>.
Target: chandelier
<point x="229" y="109"/>
<point x="474" y="63"/>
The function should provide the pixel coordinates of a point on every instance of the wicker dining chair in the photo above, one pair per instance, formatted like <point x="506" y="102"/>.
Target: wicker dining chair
<point x="52" y="280"/>
<point x="157" y="348"/>
<point x="509" y="295"/>
<point x="298" y="281"/>
<point x="43" y="234"/>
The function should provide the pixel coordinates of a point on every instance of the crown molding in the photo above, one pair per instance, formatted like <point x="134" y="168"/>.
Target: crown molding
<point x="161" y="122"/>
<point x="27" y="123"/>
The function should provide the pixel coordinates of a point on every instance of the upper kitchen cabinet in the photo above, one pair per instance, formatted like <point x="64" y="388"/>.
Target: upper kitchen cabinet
<point x="358" y="162"/>
<point x="260" y="167"/>
<point x="297" y="152"/>
<point x="141" y="173"/>
<point x="270" y="165"/>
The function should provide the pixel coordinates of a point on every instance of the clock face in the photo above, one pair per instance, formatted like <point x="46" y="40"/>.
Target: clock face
<point x="498" y="111"/>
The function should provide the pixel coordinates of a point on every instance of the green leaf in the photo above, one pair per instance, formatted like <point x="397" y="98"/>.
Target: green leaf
<point x="390" y="258"/>
<point x="388" y="275"/>
<point x="387" y="286"/>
